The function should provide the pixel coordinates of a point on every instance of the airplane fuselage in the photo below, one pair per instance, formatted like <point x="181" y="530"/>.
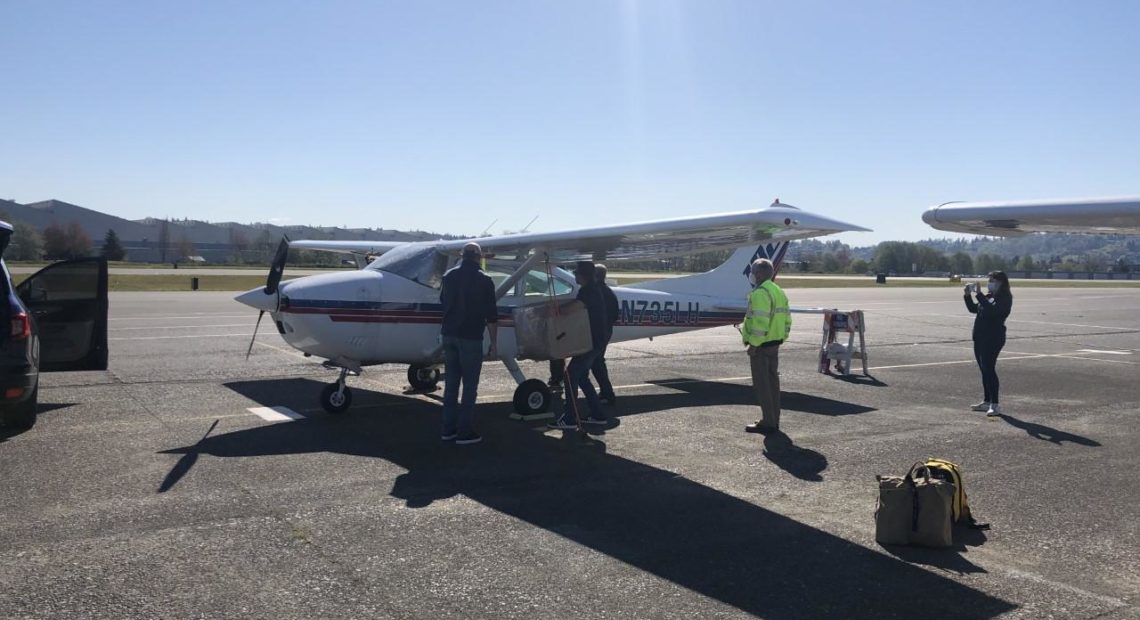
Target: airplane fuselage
<point x="373" y="317"/>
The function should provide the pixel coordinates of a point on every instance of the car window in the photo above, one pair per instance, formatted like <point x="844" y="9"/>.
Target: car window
<point x="62" y="282"/>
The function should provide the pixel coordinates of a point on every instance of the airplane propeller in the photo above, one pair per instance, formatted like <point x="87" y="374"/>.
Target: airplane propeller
<point x="277" y="267"/>
<point x="272" y="283"/>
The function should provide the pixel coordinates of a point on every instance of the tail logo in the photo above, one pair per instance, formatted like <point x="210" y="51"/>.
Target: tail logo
<point x="772" y="251"/>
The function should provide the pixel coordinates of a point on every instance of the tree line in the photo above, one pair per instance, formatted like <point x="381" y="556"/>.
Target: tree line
<point x="61" y="242"/>
<point x="905" y="257"/>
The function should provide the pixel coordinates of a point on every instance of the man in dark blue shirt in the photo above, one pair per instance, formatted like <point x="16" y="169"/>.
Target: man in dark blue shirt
<point x="579" y="369"/>
<point x="468" y="297"/>
<point x="600" y="370"/>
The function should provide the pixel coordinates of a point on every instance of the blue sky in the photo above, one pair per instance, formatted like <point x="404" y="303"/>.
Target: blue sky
<point x="445" y="116"/>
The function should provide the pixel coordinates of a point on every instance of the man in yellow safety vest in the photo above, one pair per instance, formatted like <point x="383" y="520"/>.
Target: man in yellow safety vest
<point x="765" y="327"/>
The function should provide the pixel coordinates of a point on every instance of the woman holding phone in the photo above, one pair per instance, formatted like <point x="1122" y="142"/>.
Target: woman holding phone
<point x="992" y="309"/>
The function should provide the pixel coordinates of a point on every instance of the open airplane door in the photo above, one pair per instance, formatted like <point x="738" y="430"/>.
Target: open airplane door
<point x="69" y="302"/>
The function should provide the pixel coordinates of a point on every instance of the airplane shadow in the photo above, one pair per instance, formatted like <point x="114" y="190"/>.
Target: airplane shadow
<point x="1047" y="433"/>
<point x="705" y="540"/>
<point x="697" y="393"/>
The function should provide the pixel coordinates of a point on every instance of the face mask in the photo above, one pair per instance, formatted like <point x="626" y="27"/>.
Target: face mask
<point x="994" y="286"/>
<point x="752" y="278"/>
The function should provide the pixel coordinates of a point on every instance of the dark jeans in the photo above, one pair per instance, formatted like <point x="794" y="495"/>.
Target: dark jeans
<point x="602" y="374"/>
<point x="986" y="352"/>
<point x="462" y="361"/>
<point x="600" y="371"/>
<point x="579" y="371"/>
<point x="557" y="370"/>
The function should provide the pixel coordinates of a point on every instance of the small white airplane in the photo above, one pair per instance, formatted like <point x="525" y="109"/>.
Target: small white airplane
<point x="1010" y="219"/>
<point x="389" y="311"/>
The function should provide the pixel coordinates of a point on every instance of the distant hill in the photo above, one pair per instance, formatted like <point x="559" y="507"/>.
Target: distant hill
<point x="214" y="241"/>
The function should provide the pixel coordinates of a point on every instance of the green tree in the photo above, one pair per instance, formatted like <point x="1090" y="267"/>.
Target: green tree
<point x="961" y="263"/>
<point x="830" y="263"/>
<point x="185" y="248"/>
<point x="1026" y="263"/>
<point x="239" y="243"/>
<point x="112" y="247"/>
<point x="163" y="239"/>
<point x="858" y="266"/>
<point x="26" y="244"/>
<point x="66" y="243"/>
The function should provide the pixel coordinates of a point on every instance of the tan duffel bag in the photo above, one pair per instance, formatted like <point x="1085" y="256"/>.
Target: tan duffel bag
<point x="914" y="509"/>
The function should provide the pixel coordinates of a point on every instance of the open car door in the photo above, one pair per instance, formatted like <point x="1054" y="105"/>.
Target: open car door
<point x="69" y="302"/>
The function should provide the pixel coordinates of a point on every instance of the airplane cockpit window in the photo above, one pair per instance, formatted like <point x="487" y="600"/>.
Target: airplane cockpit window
<point x="421" y="264"/>
<point x="534" y="283"/>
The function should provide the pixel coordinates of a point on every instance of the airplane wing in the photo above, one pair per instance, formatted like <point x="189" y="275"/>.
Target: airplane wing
<point x="1011" y="219"/>
<point x="347" y="247"/>
<point x="667" y="237"/>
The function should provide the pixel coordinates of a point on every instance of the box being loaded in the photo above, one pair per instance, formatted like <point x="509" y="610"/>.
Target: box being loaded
<point x="546" y="330"/>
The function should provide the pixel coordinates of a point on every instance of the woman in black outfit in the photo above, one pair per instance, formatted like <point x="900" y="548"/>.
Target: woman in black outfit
<point x="992" y="309"/>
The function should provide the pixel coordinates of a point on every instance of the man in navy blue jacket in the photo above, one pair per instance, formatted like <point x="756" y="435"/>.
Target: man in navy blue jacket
<point x="589" y="294"/>
<point x="468" y="298"/>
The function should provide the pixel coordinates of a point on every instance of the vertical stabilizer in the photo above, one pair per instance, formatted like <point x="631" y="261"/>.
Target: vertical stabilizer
<point x="730" y="279"/>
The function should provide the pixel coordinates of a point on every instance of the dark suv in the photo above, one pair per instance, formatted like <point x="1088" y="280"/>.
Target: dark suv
<point x="53" y="321"/>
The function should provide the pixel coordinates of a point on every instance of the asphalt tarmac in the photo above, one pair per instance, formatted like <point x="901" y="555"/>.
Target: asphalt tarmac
<point x="154" y="490"/>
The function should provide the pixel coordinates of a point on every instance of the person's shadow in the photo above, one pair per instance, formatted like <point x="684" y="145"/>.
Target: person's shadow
<point x="803" y="463"/>
<point x="1047" y="433"/>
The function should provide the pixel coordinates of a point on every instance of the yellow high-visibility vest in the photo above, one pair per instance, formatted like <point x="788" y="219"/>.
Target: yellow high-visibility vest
<point x="769" y="318"/>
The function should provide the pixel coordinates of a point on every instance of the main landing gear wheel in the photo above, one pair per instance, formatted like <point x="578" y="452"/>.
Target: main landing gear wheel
<point x="335" y="398"/>
<point x="532" y="397"/>
<point x="423" y="378"/>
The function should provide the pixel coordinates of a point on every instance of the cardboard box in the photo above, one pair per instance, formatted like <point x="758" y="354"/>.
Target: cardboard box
<point x="546" y="330"/>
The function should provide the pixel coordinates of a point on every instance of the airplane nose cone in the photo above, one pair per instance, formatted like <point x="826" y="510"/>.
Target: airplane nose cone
<point x="259" y="299"/>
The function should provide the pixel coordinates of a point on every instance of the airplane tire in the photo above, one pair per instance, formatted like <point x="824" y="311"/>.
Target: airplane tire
<point x="532" y="397"/>
<point x="423" y="377"/>
<point x="333" y="402"/>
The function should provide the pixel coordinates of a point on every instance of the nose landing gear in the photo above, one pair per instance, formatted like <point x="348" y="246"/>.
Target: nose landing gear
<point x="336" y="397"/>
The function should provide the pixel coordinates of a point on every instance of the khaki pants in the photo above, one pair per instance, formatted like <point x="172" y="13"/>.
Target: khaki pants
<point x="766" y="382"/>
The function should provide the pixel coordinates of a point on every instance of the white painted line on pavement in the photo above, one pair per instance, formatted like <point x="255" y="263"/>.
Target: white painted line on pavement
<point x="276" y="414"/>
<point x="1000" y="359"/>
<point x="1094" y="359"/>
<point x="129" y="329"/>
<point x="971" y="318"/>
<point x="1104" y="352"/>
<point x="292" y="352"/>
<point x="183" y="337"/>
<point x="204" y="315"/>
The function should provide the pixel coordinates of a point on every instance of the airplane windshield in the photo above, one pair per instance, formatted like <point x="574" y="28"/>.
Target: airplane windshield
<point x="418" y="263"/>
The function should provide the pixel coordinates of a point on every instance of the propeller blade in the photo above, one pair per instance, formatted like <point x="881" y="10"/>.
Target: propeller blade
<point x="257" y="325"/>
<point x="277" y="267"/>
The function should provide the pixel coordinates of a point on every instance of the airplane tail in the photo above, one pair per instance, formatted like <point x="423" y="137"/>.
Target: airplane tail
<point x="730" y="279"/>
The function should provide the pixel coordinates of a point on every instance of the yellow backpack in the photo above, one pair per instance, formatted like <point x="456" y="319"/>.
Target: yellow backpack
<point x="950" y="472"/>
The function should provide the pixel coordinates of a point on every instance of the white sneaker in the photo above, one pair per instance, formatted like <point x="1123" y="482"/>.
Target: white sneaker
<point x="982" y="406"/>
<point x="562" y="424"/>
<point x="994" y="410"/>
